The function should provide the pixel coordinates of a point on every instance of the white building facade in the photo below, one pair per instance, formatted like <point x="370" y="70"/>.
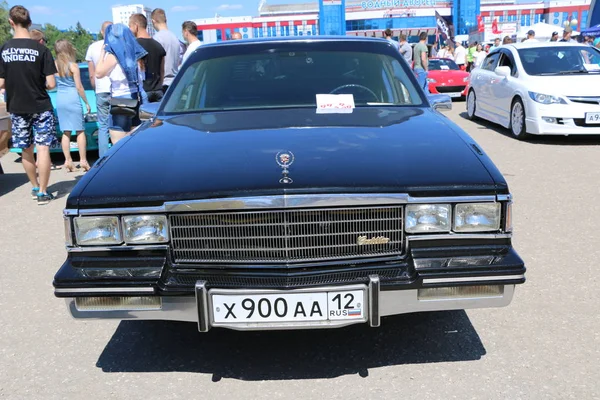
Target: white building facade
<point x="121" y="15"/>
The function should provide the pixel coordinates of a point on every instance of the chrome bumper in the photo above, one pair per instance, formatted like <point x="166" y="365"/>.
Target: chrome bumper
<point x="381" y="304"/>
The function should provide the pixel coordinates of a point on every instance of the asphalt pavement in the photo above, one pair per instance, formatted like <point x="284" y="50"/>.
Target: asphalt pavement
<point x="545" y="345"/>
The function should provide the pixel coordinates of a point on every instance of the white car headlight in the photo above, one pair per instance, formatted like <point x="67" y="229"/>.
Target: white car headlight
<point x="431" y="80"/>
<point x="423" y="218"/>
<point x="466" y="79"/>
<point x="91" y="231"/>
<point x="145" y="229"/>
<point x="477" y="217"/>
<point x="546" y="98"/>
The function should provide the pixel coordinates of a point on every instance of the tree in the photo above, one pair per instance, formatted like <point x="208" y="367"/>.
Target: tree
<point x="80" y="38"/>
<point x="4" y="24"/>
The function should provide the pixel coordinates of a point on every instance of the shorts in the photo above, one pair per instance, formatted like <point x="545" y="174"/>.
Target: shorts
<point x="28" y="129"/>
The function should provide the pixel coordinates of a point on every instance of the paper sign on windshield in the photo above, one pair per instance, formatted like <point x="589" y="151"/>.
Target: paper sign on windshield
<point x="445" y="67"/>
<point x="335" y="103"/>
<point x="592" y="67"/>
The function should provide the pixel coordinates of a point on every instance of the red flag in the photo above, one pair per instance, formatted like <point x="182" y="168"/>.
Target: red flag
<point x="495" y="29"/>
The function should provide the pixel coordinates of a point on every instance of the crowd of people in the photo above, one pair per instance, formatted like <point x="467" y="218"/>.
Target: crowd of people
<point x="127" y="68"/>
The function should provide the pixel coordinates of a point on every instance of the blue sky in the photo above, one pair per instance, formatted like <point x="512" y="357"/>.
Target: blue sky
<point x="66" y="13"/>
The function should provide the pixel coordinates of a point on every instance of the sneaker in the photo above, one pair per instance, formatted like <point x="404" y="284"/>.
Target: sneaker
<point x="44" y="198"/>
<point x="34" y="193"/>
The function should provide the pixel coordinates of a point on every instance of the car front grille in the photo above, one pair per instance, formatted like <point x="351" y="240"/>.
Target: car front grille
<point x="450" y="89"/>
<point x="585" y="99"/>
<point x="287" y="236"/>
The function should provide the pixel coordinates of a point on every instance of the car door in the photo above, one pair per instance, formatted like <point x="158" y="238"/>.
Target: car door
<point x="482" y="81"/>
<point x="503" y="88"/>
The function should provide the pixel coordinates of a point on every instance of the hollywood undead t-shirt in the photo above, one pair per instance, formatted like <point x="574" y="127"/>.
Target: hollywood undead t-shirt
<point x="24" y="65"/>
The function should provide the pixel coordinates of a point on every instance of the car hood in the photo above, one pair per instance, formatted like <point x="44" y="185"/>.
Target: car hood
<point x="445" y="75"/>
<point x="568" y="85"/>
<point x="224" y="154"/>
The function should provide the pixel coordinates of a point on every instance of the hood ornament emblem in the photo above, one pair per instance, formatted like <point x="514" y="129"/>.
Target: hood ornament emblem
<point x="285" y="159"/>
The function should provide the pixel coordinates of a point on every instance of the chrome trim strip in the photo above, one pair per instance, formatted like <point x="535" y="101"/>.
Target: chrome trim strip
<point x="70" y="212"/>
<point x="106" y="290"/>
<point x="504" y="197"/>
<point x="374" y="317"/>
<point x="287" y="201"/>
<point x="465" y="236"/>
<point x="116" y="248"/>
<point x="68" y="231"/>
<point x="119" y="211"/>
<point x="473" y="279"/>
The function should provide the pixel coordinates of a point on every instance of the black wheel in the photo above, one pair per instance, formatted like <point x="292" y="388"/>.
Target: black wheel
<point x="518" y="126"/>
<point x="471" y="105"/>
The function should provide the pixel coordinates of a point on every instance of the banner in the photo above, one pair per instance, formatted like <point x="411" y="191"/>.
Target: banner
<point x="444" y="29"/>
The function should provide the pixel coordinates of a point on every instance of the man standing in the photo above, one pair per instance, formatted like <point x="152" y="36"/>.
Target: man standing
<point x="154" y="61"/>
<point x="190" y="35"/>
<point x="102" y="87"/>
<point x="460" y="55"/>
<point x="530" y="36"/>
<point x="27" y="71"/>
<point x="471" y="56"/>
<point x="405" y="49"/>
<point x="170" y="43"/>
<point x="496" y="44"/>
<point x="421" y="61"/>
<point x="554" y="37"/>
<point x="567" y="34"/>
<point x="388" y="35"/>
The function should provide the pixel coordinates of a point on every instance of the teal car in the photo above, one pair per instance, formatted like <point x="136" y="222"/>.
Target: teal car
<point x="91" y="119"/>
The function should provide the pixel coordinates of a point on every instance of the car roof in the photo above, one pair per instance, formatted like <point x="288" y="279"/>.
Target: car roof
<point x="529" y="45"/>
<point x="292" y="39"/>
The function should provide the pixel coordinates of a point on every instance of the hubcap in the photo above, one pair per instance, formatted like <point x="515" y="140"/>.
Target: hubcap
<point x="517" y="119"/>
<point x="471" y="104"/>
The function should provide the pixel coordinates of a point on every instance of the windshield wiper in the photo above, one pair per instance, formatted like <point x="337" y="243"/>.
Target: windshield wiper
<point x="570" y="72"/>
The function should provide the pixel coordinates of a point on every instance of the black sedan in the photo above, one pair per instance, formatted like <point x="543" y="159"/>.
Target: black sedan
<point x="290" y="183"/>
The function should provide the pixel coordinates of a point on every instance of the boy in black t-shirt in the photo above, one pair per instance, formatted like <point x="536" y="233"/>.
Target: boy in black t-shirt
<point x="27" y="71"/>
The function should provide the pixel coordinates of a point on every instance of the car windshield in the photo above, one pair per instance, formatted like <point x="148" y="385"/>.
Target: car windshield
<point x="438" y="64"/>
<point x="289" y="79"/>
<point x="560" y="60"/>
<point x="85" y="78"/>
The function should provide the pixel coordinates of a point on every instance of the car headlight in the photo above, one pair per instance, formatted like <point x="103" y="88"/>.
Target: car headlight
<point x="466" y="79"/>
<point x="477" y="217"/>
<point x="91" y="117"/>
<point x="145" y="229"/>
<point x="90" y="231"/>
<point x="546" y="98"/>
<point x="423" y="218"/>
<point x="431" y="80"/>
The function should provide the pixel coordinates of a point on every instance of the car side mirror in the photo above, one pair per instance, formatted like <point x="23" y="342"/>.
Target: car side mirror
<point x="502" y="71"/>
<point x="148" y="110"/>
<point x="440" y="101"/>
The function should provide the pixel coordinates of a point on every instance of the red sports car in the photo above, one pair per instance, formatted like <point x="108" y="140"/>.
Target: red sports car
<point x="445" y="77"/>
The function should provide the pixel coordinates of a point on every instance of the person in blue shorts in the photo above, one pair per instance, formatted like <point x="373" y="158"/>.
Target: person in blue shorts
<point x="26" y="72"/>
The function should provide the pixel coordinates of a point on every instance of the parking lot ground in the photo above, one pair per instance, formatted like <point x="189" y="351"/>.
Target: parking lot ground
<point x="545" y="345"/>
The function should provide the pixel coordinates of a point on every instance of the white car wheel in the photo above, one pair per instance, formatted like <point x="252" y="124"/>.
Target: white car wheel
<point x="517" y="120"/>
<point x="471" y="105"/>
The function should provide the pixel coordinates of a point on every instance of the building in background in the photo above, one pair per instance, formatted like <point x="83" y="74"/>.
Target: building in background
<point x="121" y="15"/>
<point x="409" y="17"/>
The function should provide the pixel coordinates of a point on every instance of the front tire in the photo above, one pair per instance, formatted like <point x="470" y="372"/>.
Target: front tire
<point x="471" y="105"/>
<point x="517" y="120"/>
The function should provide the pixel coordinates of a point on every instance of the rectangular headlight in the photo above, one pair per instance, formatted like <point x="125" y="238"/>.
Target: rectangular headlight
<point x="477" y="217"/>
<point x="145" y="229"/>
<point x="425" y="218"/>
<point x="91" y="231"/>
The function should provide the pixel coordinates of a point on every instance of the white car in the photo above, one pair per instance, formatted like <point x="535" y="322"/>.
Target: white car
<point x="544" y="88"/>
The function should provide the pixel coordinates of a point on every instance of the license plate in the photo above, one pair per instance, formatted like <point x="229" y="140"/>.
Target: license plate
<point x="285" y="307"/>
<point x="592" y="118"/>
<point x="458" y="94"/>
